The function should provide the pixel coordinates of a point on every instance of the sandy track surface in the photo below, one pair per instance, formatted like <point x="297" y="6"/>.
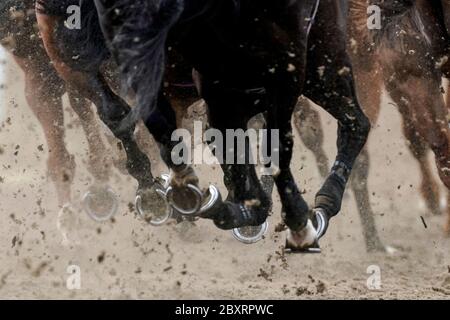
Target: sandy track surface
<point x="128" y="259"/>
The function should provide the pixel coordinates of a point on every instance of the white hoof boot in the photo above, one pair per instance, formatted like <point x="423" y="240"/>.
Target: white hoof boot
<point x="305" y="240"/>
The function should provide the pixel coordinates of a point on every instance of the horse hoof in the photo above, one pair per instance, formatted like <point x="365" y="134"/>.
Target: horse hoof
<point x="305" y="240"/>
<point x="152" y="206"/>
<point x="251" y="234"/>
<point x="213" y="196"/>
<point x="100" y="203"/>
<point x="320" y="222"/>
<point x="187" y="201"/>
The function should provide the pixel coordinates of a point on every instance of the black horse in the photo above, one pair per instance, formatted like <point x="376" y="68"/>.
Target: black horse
<point x="251" y="56"/>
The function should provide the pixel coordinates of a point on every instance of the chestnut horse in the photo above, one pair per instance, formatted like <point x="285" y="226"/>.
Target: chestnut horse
<point x="43" y="91"/>
<point x="411" y="72"/>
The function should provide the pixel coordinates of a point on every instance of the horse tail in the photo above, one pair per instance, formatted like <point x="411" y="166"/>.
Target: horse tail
<point x="136" y="34"/>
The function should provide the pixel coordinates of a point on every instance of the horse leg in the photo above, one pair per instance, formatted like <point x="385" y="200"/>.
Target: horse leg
<point x="447" y="224"/>
<point x="420" y="98"/>
<point x="259" y="123"/>
<point x="353" y="129"/>
<point x="369" y="86"/>
<point x="44" y="98"/>
<point x="429" y="187"/>
<point x="333" y="89"/>
<point x="248" y="204"/>
<point x="110" y="107"/>
<point x="302" y="234"/>
<point x="307" y="122"/>
<point x="99" y="164"/>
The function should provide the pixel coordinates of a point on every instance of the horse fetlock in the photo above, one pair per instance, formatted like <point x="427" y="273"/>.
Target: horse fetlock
<point x="430" y="193"/>
<point x="296" y="221"/>
<point x="374" y="244"/>
<point x="183" y="177"/>
<point x="330" y="195"/>
<point x="61" y="169"/>
<point x="231" y="215"/>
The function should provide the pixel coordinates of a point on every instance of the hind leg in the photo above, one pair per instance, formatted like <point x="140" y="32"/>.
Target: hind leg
<point x="353" y="130"/>
<point x="420" y="98"/>
<point x="369" y="87"/>
<point x="429" y="187"/>
<point x="428" y="116"/>
<point x="334" y="90"/>
<point x="307" y="122"/>
<point x="44" y="98"/>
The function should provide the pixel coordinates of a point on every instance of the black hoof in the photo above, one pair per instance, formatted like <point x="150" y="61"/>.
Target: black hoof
<point x="100" y="203"/>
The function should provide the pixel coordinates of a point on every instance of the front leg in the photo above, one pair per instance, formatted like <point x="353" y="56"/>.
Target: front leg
<point x="353" y="129"/>
<point x="302" y="234"/>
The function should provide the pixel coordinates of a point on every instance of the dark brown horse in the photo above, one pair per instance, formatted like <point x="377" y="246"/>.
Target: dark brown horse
<point x="266" y="44"/>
